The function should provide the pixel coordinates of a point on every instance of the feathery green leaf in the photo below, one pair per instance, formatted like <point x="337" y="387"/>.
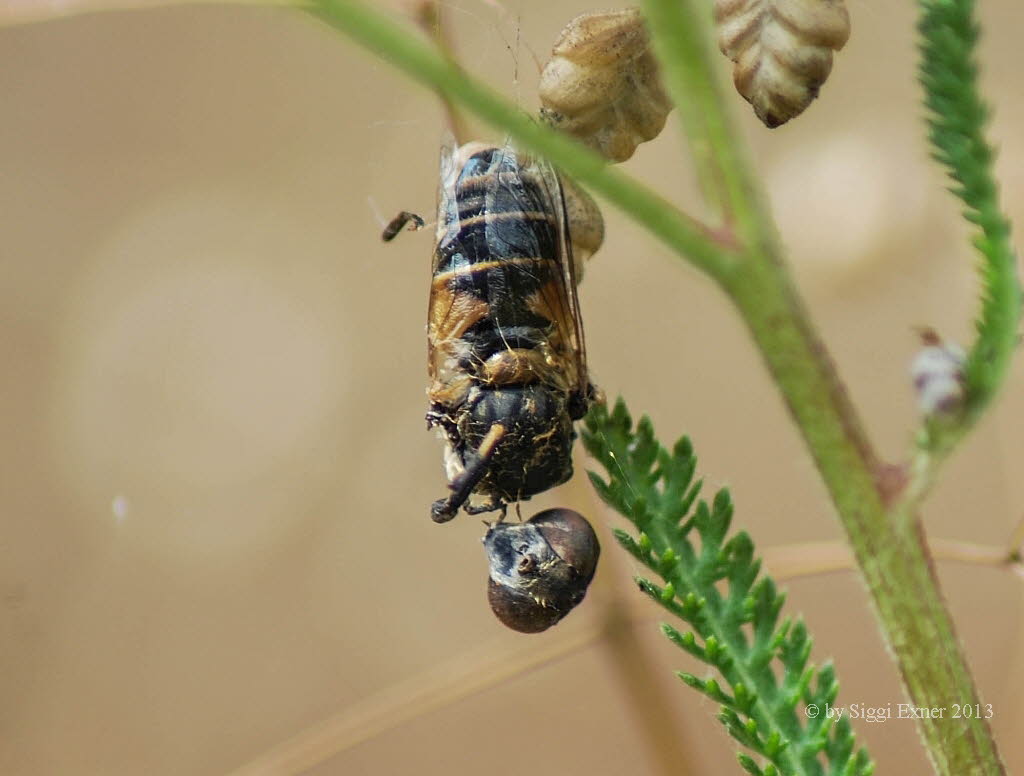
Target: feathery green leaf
<point x="956" y="124"/>
<point x="712" y="581"/>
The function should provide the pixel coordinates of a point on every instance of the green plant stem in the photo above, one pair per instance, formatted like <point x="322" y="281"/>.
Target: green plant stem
<point x="708" y="250"/>
<point x="892" y="555"/>
<point x="682" y="38"/>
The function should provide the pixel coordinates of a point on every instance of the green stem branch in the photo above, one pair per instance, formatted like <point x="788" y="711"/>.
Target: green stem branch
<point x="891" y="554"/>
<point x="958" y="115"/>
<point x="708" y="250"/>
<point x="682" y="38"/>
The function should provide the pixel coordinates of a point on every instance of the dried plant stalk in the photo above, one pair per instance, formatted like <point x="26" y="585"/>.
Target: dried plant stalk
<point x="782" y="50"/>
<point x="602" y="84"/>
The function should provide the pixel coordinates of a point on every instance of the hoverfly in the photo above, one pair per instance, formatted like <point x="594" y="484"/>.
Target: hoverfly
<point x="506" y="359"/>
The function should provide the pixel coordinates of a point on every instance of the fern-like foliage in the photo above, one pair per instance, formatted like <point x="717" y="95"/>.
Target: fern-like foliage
<point x="957" y="117"/>
<point x="712" y="582"/>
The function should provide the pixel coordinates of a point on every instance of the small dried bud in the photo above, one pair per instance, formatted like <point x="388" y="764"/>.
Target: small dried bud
<point x="586" y="225"/>
<point x="540" y="569"/>
<point x="602" y="84"/>
<point x="782" y="50"/>
<point x="938" y="376"/>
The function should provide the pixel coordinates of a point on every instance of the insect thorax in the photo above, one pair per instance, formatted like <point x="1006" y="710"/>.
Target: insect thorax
<point x="536" y="451"/>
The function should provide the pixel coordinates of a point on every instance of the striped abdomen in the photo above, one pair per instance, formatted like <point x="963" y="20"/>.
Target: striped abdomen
<point x="500" y="253"/>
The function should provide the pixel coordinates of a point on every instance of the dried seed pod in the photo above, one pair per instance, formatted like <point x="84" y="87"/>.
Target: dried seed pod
<point x="540" y="569"/>
<point x="586" y="225"/>
<point x="782" y="50"/>
<point x="602" y="84"/>
<point x="938" y="373"/>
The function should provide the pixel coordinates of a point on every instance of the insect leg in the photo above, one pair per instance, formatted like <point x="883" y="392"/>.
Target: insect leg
<point x="477" y="462"/>
<point x="488" y="506"/>
<point x="445" y="421"/>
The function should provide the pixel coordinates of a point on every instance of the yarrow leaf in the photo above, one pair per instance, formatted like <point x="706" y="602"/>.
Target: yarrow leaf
<point x="956" y="131"/>
<point x="712" y="581"/>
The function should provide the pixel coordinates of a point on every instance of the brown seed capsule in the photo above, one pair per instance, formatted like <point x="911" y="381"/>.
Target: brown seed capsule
<point x="782" y="50"/>
<point x="540" y="569"/>
<point x="602" y="84"/>
<point x="586" y="225"/>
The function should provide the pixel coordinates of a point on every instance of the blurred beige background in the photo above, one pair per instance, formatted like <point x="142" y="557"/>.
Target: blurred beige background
<point x="215" y="478"/>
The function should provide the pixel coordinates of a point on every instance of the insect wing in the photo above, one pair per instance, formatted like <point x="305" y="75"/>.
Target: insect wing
<point x="531" y="185"/>
<point x="450" y="313"/>
<point x="503" y="253"/>
<point x="566" y="309"/>
<point x="447" y="205"/>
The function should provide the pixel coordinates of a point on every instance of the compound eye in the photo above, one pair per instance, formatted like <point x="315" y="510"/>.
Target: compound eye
<point x="572" y="539"/>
